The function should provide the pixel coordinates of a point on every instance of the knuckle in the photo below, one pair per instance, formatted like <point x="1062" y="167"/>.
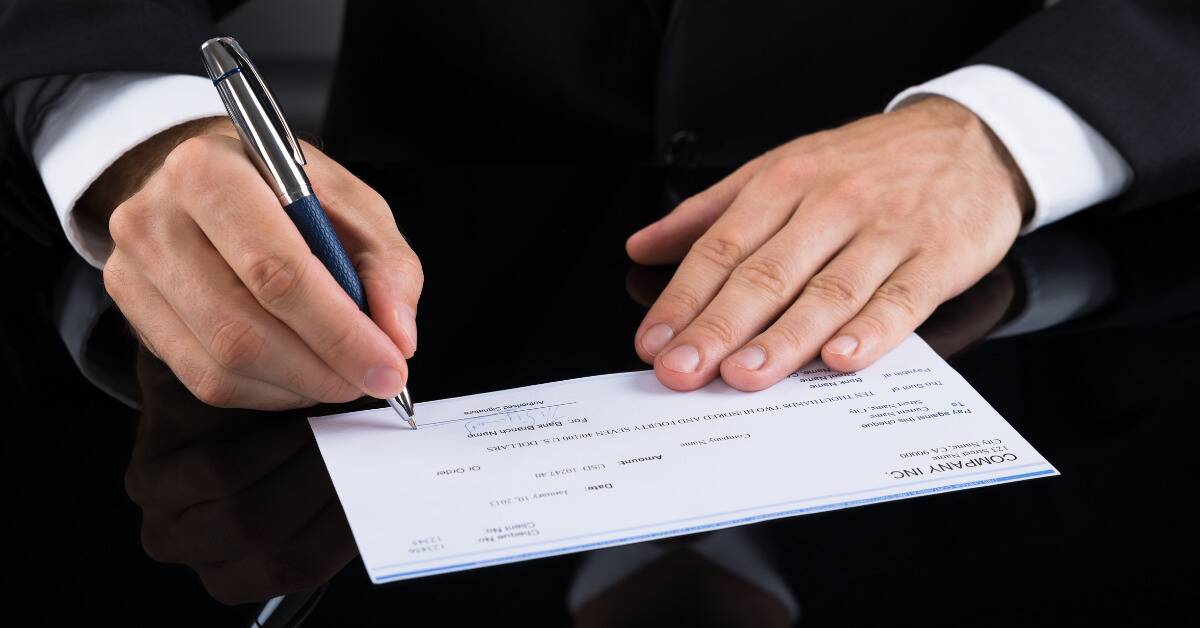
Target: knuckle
<point x="901" y="208"/>
<point x="154" y="544"/>
<point x="341" y="342"/>
<point x="217" y="471"/>
<point x="766" y="275"/>
<point x="213" y="387"/>
<point x="788" y="335"/>
<point x="275" y="280"/>
<point x="403" y="257"/>
<point x="852" y="190"/>
<point x="875" y="324"/>
<point x="789" y="332"/>
<point x="681" y="300"/>
<point x="190" y="158"/>
<point x="245" y="530"/>
<point x="833" y="289"/>
<point x="114" y="279"/>
<point x="237" y="344"/>
<point x="333" y="389"/>
<point x="715" y="327"/>
<point x="902" y="296"/>
<point x="128" y="226"/>
<point x="135" y="484"/>
<point x="789" y="169"/>
<point x="720" y="250"/>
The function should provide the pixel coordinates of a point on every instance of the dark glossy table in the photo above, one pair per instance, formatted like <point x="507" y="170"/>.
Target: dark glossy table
<point x="126" y="499"/>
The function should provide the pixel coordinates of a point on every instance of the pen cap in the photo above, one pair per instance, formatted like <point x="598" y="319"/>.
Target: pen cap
<point x="252" y="108"/>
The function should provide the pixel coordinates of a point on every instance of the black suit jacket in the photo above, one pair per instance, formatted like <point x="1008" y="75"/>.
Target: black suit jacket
<point x="687" y="82"/>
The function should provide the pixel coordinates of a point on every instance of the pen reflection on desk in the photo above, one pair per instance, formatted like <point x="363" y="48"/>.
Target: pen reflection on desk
<point x="276" y="154"/>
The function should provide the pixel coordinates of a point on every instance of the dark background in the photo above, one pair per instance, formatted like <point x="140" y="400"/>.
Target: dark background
<point x="540" y="295"/>
<point x="536" y="282"/>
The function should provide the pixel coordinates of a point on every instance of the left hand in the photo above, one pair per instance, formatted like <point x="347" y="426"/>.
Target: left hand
<point x="836" y="244"/>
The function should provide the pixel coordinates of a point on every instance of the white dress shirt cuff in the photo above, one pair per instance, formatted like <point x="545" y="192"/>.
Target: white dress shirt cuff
<point x="95" y="121"/>
<point x="1068" y="165"/>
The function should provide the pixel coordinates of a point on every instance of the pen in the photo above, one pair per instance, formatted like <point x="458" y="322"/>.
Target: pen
<point x="271" y="146"/>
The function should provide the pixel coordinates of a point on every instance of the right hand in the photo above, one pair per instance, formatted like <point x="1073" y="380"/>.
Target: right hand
<point x="220" y="285"/>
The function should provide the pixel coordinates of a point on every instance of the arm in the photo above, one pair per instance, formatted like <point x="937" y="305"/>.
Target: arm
<point x="204" y="265"/>
<point x="1131" y="68"/>
<point x="97" y="120"/>
<point x="840" y="243"/>
<point x="1068" y="165"/>
<point x="45" y="44"/>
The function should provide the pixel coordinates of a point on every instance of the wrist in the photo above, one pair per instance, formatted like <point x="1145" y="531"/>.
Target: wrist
<point x="979" y="135"/>
<point x="130" y="172"/>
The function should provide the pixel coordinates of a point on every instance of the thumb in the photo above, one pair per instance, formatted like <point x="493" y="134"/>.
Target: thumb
<point x="667" y="240"/>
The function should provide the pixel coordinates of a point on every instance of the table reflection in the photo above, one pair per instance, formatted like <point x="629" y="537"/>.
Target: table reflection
<point x="1085" y="338"/>
<point x="241" y="497"/>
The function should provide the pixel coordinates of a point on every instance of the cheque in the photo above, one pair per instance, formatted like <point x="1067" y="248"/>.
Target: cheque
<point x="594" y="462"/>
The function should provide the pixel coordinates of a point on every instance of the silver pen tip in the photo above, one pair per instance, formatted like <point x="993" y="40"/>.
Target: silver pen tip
<point x="403" y="406"/>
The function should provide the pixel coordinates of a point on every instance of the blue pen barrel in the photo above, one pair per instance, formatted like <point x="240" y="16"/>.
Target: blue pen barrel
<point x="314" y="225"/>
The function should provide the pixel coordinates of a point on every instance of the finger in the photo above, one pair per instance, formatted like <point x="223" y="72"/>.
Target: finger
<point x="258" y="518"/>
<point x="243" y="221"/>
<point x="666" y="240"/>
<point x="169" y="479"/>
<point x="757" y="292"/>
<point x="234" y="329"/>
<point x="828" y="300"/>
<point x="169" y="338"/>
<point x="898" y="306"/>
<point x="761" y="208"/>
<point x="389" y="269"/>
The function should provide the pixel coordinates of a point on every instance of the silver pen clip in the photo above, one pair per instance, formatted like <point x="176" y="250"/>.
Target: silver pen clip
<point x="230" y="54"/>
<point x="258" y="118"/>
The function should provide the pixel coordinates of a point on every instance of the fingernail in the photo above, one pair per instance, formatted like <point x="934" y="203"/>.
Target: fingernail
<point x="842" y="345"/>
<point x="383" y="381"/>
<point x="750" y="358"/>
<point x="682" y="359"/>
<point x="656" y="338"/>
<point x="408" y="326"/>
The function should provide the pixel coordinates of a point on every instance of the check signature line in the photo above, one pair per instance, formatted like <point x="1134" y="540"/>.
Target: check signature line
<point x="483" y="416"/>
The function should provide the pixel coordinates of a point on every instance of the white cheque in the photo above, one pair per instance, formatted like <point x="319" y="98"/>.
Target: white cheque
<point x="601" y="461"/>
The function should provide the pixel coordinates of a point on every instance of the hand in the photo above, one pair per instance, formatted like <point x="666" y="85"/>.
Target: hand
<point x="838" y="243"/>
<point x="218" y="282"/>
<point x="241" y="497"/>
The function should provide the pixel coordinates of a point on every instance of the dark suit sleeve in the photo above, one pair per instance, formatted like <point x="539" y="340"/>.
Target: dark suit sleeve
<point x="1131" y="68"/>
<point x="43" y="42"/>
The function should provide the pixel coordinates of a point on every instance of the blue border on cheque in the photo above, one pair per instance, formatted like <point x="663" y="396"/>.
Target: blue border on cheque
<point x="711" y="526"/>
